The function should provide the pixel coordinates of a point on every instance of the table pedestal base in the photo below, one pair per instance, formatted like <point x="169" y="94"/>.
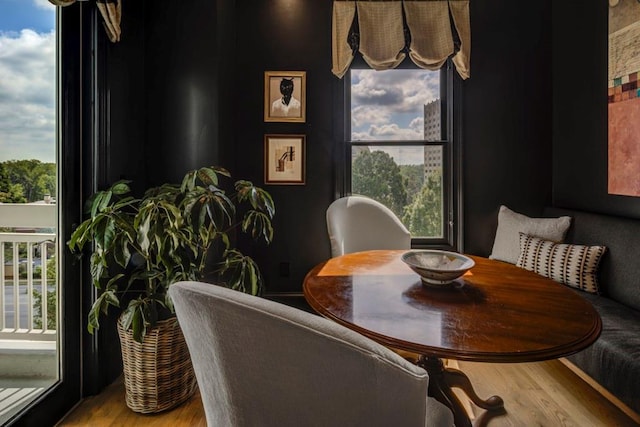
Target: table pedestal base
<point x="442" y="379"/>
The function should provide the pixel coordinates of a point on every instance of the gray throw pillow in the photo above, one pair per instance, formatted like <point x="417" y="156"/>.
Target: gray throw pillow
<point x="506" y="246"/>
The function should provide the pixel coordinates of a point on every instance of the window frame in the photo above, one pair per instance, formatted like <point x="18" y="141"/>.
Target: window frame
<point x="451" y="153"/>
<point x="74" y="27"/>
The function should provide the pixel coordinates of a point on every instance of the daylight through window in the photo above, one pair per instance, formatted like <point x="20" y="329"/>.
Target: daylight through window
<point x="399" y="145"/>
<point x="29" y="326"/>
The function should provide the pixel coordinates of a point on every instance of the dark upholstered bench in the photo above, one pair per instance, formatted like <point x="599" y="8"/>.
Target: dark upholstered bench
<point x="613" y="361"/>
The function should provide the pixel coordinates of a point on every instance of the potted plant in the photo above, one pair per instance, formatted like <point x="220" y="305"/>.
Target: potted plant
<point x="143" y="245"/>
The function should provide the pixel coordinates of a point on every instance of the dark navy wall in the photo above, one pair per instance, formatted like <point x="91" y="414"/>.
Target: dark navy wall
<point x="187" y="121"/>
<point x="506" y="116"/>
<point x="121" y="102"/>
<point x="288" y="36"/>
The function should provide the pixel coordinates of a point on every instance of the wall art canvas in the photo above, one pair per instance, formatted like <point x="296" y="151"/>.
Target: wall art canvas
<point x="624" y="98"/>
<point x="284" y="159"/>
<point x="285" y="96"/>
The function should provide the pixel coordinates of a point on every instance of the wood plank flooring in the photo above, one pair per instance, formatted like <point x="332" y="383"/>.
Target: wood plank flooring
<point x="535" y="394"/>
<point x="541" y="394"/>
<point x="108" y="409"/>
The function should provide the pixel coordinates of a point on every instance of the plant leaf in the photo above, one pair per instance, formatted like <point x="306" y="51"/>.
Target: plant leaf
<point x="129" y="313"/>
<point x="188" y="182"/>
<point x="96" y="203"/>
<point x="208" y="176"/>
<point x="143" y="235"/>
<point x="104" y="202"/>
<point x="100" y="305"/>
<point x="121" y="253"/>
<point x="138" y="325"/>
<point x="121" y="187"/>
<point x="93" y="318"/>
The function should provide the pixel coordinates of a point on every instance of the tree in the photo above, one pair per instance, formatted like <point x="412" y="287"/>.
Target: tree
<point x="46" y="183"/>
<point x="413" y="176"/>
<point x="423" y="217"/>
<point x="9" y="192"/>
<point x="51" y="309"/>
<point x="375" y="174"/>
<point x="27" y="180"/>
<point x="13" y="194"/>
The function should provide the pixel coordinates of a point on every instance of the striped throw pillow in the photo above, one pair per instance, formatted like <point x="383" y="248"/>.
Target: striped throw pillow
<point x="573" y="265"/>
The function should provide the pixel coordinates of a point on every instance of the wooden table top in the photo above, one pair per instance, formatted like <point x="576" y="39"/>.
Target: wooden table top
<point x="496" y="312"/>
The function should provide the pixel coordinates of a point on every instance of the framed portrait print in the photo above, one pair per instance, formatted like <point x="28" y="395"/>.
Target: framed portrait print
<point x="284" y="159"/>
<point x="285" y="96"/>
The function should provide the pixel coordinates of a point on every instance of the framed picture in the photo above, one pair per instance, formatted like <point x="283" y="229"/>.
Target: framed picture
<point x="285" y="96"/>
<point x="284" y="159"/>
<point x="623" y="99"/>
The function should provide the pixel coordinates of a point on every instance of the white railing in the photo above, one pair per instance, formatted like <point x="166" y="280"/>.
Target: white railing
<point x="24" y="250"/>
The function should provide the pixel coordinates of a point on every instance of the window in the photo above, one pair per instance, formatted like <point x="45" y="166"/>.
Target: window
<point x="40" y="135"/>
<point x="29" y="326"/>
<point x="400" y="148"/>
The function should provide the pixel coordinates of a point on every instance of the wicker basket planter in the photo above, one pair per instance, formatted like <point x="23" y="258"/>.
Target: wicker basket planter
<point x="158" y="374"/>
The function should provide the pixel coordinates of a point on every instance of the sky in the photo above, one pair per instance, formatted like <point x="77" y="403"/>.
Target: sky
<point x="389" y="105"/>
<point x="27" y="80"/>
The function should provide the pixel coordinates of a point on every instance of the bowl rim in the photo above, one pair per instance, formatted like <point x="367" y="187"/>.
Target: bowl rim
<point x="458" y="255"/>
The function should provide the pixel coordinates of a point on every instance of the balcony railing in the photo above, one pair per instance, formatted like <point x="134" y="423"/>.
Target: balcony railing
<point x="28" y="250"/>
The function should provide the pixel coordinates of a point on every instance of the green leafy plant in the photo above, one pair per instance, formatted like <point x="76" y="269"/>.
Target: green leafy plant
<point x="174" y="232"/>
<point x="51" y="309"/>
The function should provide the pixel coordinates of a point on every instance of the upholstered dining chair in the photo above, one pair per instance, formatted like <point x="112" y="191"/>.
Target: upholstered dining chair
<point x="262" y="363"/>
<point x="358" y="223"/>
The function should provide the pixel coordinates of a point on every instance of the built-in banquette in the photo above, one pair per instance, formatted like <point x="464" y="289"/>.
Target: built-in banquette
<point x="613" y="361"/>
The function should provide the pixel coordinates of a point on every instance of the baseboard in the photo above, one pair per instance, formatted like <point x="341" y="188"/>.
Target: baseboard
<point x="603" y="391"/>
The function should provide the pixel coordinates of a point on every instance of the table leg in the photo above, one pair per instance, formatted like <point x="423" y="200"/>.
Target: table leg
<point x="442" y="379"/>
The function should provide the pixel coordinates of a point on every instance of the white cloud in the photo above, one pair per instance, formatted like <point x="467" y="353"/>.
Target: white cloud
<point x="43" y="4"/>
<point x="390" y="132"/>
<point x="363" y="115"/>
<point x="417" y="124"/>
<point x="390" y="104"/>
<point x="27" y="96"/>
<point x="397" y="90"/>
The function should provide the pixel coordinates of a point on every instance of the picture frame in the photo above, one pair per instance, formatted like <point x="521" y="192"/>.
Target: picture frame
<point x="623" y="100"/>
<point x="285" y="97"/>
<point x="284" y="159"/>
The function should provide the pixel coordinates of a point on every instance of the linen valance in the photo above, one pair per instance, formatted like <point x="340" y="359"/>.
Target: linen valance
<point x="111" y="11"/>
<point x="384" y="32"/>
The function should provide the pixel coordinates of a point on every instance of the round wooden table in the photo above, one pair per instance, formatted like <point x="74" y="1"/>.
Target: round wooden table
<point x="497" y="312"/>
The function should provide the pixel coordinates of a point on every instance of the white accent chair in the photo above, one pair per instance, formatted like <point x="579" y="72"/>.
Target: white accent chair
<point x="262" y="363"/>
<point x="358" y="223"/>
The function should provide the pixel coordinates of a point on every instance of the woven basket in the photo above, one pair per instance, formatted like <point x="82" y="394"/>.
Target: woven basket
<point x="158" y="374"/>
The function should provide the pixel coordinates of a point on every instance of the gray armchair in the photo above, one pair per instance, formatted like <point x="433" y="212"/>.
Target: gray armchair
<point x="261" y="363"/>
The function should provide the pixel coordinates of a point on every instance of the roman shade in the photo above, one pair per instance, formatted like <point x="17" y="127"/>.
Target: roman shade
<point x="384" y="32"/>
<point x="111" y="11"/>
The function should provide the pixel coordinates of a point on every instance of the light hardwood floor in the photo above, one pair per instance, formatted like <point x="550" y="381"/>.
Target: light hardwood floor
<point x="541" y="394"/>
<point x="535" y="394"/>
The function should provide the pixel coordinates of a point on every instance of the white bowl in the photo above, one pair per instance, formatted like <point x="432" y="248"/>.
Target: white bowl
<point x="437" y="267"/>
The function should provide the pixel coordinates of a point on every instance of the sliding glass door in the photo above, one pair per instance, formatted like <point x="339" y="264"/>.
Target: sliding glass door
<point x="40" y="79"/>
